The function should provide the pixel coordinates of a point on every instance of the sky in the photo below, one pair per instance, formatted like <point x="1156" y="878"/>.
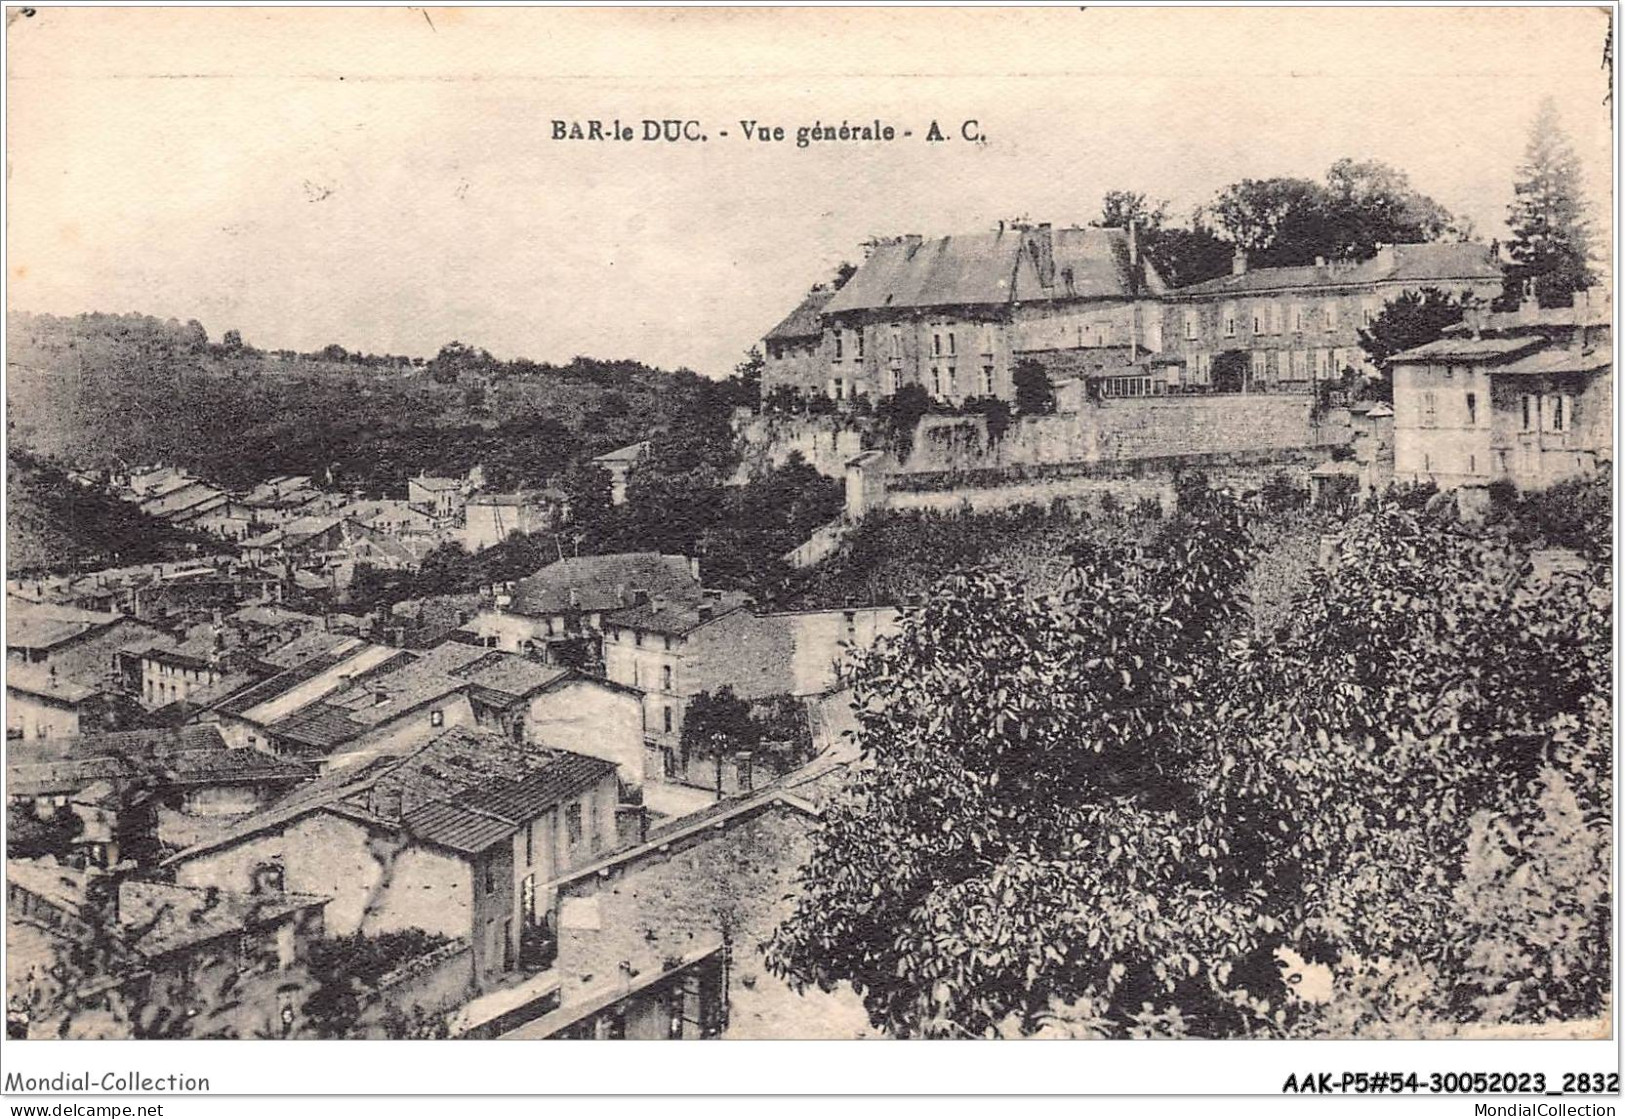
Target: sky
<point x="387" y="178"/>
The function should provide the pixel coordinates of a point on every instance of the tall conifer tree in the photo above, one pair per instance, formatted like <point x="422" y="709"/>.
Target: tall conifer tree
<point x="1551" y="236"/>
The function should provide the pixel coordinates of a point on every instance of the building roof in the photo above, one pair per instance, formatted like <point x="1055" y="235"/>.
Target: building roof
<point x="314" y="642"/>
<point x="429" y="482"/>
<point x="1556" y="358"/>
<point x="161" y="918"/>
<point x="42" y="633"/>
<point x="320" y="677"/>
<point x="995" y="268"/>
<point x="599" y="583"/>
<point x="632" y="452"/>
<point x="477" y="817"/>
<point x="1435" y="262"/>
<point x="804" y="321"/>
<point x="184" y="756"/>
<point x="489" y="783"/>
<point x="1471" y="349"/>
<point x="40" y="680"/>
<point x="680" y="616"/>
<point x="303" y="528"/>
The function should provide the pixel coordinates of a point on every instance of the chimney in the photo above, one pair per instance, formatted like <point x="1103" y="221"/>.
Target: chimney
<point x="706" y="611"/>
<point x="1320" y="262"/>
<point x="1387" y="257"/>
<point x="1134" y="244"/>
<point x="1238" y="263"/>
<point x="1043" y="248"/>
<point x="575" y="598"/>
<point x="657" y="603"/>
<point x="694" y="567"/>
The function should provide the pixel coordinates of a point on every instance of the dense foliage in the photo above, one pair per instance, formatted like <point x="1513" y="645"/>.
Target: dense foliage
<point x="55" y="524"/>
<point x="131" y="388"/>
<point x="1361" y="204"/>
<point x="1106" y="810"/>
<point x="1413" y="318"/>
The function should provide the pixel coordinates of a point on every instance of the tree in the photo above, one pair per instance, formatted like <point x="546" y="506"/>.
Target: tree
<point x="1276" y="221"/>
<point x="1026" y="790"/>
<point x="716" y="723"/>
<point x="843" y="272"/>
<point x="1108" y="810"/>
<point x="456" y="359"/>
<point x="1370" y="203"/>
<point x="1121" y="209"/>
<point x="1189" y="256"/>
<point x="1409" y="320"/>
<point x="746" y="382"/>
<point x="1362" y="204"/>
<point x="1035" y="396"/>
<point x="232" y="342"/>
<point x="995" y="413"/>
<point x="1551" y="235"/>
<point x="30" y="836"/>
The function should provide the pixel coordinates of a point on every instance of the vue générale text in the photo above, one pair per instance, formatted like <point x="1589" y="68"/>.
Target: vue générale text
<point x="673" y="130"/>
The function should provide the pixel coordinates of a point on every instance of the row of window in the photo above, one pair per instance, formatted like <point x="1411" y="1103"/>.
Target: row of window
<point x="1553" y="412"/>
<point x="944" y="343"/>
<point x="945" y="380"/>
<point x="1276" y="317"/>
<point x="617" y="635"/>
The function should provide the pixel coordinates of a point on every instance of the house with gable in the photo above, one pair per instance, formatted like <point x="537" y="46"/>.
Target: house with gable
<point x="458" y="837"/>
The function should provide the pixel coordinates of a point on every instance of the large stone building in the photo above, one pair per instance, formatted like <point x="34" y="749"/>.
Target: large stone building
<point x="957" y="314"/>
<point x="1524" y="396"/>
<point x="1291" y="328"/>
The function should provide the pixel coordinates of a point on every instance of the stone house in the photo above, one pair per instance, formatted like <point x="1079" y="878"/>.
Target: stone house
<point x="459" y="837"/>
<point x="672" y="651"/>
<point x="165" y="956"/>
<point x="956" y="314"/>
<point x="441" y="498"/>
<point x="1298" y="327"/>
<point x="1524" y="396"/>
<point x="696" y="900"/>
<point x="791" y="350"/>
<point x="489" y="518"/>
<point x="567" y="600"/>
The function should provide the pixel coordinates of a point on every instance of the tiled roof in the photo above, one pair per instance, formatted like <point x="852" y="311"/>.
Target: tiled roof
<point x="161" y="918"/>
<point x="601" y="582"/>
<point x="457" y="826"/>
<point x="1471" y="349"/>
<point x="477" y="817"/>
<point x="1431" y="263"/>
<point x="191" y="755"/>
<point x="42" y="633"/>
<point x="431" y="483"/>
<point x="38" y="680"/>
<point x="477" y="773"/>
<point x="567" y="774"/>
<point x="677" y="617"/>
<point x="511" y="675"/>
<point x="994" y="268"/>
<point x="804" y="321"/>
<point x="319" y="726"/>
<point x="1557" y="359"/>
<point x="312" y="643"/>
<point x="258" y="693"/>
